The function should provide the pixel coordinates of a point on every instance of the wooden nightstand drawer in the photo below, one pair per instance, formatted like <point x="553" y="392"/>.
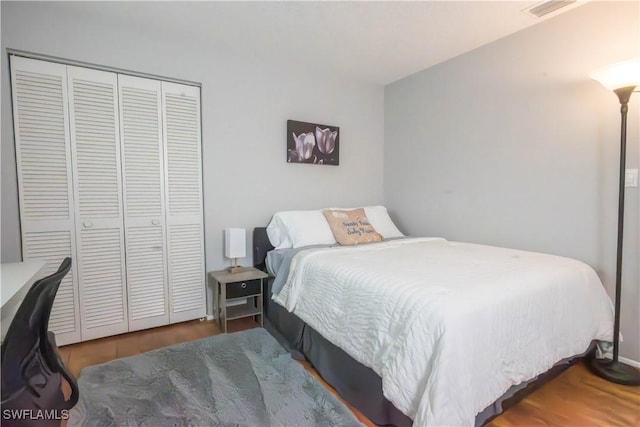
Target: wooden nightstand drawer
<point x="243" y="289"/>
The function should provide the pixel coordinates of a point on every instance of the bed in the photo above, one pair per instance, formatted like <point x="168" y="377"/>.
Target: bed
<point x="401" y="350"/>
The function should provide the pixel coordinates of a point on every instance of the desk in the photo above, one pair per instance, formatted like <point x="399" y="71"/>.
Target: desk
<point x="15" y="280"/>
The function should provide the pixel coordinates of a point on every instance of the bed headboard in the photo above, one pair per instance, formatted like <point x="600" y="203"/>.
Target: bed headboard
<point x="261" y="245"/>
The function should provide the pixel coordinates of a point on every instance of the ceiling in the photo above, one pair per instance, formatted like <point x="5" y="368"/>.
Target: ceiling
<point x="377" y="42"/>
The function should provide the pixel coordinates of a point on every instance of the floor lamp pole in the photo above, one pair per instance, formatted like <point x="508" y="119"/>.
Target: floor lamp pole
<point x="623" y="94"/>
<point x="614" y="370"/>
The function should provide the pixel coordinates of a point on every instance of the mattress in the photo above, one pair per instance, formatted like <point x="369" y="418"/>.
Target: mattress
<point x="417" y="311"/>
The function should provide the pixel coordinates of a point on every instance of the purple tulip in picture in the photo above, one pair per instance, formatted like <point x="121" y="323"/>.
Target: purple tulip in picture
<point x="312" y="143"/>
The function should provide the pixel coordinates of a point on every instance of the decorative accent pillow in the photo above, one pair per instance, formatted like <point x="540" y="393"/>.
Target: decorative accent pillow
<point x="351" y="227"/>
<point x="380" y="220"/>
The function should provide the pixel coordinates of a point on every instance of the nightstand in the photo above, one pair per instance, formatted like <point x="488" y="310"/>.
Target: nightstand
<point x="243" y="285"/>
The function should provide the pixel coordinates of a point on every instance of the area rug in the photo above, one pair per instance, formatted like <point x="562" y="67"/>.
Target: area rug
<point x="244" y="379"/>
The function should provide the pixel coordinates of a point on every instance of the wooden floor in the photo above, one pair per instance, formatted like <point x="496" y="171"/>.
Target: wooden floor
<point x="575" y="398"/>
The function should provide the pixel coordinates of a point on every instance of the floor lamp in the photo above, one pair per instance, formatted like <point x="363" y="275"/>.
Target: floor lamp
<point x="623" y="78"/>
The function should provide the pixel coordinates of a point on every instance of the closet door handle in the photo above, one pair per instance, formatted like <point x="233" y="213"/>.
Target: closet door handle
<point x="87" y="224"/>
<point x="155" y="222"/>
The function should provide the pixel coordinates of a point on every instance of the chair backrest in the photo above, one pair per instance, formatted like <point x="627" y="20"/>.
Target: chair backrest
<point x="29" y="352"/>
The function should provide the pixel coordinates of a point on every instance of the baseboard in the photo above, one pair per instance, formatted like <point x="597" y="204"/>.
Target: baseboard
<point x="210" y="317"/>
<point x="631" y="362"/>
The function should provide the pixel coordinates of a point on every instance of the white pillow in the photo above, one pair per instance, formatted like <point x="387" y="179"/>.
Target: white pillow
<point x="380" y="220"/>
<point x="278" y="234"/>
<point x="293" y="229"/>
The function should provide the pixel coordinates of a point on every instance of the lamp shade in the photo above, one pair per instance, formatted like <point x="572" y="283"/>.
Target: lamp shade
<point x="235" y="245"/>
<point x="622" y="74"/>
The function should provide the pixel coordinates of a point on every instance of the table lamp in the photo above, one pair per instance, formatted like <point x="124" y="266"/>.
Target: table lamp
<point x="235" y="246"/>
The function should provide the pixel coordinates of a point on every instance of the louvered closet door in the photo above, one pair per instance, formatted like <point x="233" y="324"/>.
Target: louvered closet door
<point x="143" y="190"/>
<point x="181" y="121"/>
<point x="39" y="92"/>
<point x="93" y="99"/>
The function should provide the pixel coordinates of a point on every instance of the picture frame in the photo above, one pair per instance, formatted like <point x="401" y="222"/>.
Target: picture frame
<point x="313" y="143"/>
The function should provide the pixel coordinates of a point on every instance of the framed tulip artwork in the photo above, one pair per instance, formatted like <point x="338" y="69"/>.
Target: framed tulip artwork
<point x="312" y="143"/>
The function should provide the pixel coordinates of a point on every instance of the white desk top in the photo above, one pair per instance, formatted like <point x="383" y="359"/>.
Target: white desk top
<point x="16" y="275"/>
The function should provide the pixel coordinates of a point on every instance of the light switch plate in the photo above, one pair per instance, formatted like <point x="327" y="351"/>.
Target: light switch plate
<point x="631" y="177"/>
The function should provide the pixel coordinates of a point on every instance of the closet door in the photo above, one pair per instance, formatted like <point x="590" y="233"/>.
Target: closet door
<point x="95" y="144"/>
<point x="143" y="190"/>
<point x="41" y="123"/>
<point x="182" y="147"/>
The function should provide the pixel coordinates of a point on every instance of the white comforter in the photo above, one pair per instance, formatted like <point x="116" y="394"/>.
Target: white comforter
<point x="448" y="326"/>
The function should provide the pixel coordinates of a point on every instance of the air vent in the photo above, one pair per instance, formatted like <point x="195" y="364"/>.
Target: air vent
<point x="545" y="8"/>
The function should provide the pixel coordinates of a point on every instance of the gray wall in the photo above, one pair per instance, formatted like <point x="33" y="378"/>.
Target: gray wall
<point x="513" y="145"/>
<point x="245" y="106"/>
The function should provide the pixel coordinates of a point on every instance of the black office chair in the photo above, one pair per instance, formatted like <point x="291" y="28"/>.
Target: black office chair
<point x="32" y="369"/>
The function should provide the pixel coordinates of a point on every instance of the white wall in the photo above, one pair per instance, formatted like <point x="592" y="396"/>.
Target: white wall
<point x="245" y="106"/>
<point x="513" y="145"/>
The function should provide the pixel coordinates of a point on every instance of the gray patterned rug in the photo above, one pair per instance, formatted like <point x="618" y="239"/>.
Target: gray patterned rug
<point x="244" y="379"/>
